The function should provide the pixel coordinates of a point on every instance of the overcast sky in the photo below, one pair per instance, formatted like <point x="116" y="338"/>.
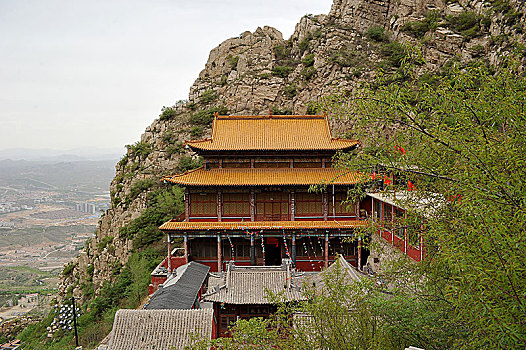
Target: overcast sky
<point x="95" y="73"/>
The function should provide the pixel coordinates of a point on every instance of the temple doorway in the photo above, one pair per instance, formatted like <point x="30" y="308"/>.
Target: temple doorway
<point x="272" y="252"/>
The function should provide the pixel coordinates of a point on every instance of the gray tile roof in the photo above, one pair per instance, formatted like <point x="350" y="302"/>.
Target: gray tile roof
<point x="349" y="273"/>
<point x="180" y="291"/>
<point x="250" y="286"/>
<point x="159" y="329"/>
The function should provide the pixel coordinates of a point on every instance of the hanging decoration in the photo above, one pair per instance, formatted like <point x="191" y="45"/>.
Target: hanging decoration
<point x="308" y="255"/>
<point x="262" y="244"/>
<point x="410" y="186"/>
<point x="400" y="150"/>
<point x="286" y="246"/>
<point x="314" y="251"/>
<point x="231" y="247"/>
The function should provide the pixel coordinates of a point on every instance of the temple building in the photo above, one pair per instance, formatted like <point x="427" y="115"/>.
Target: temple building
<point x="251" y="202"/>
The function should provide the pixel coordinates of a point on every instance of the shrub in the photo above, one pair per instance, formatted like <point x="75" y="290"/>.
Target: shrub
<point x="265" y="75"/>
<point x="281" y="52"/>
<point x="169" y="136"/>
<point x="196" y="131"/>
<point x="232" y="61"/>
<point x="395" y="52"/>
<point x="174" y="148"/>
<point x="419" y="28"/>
<point x="290" y="90"/>
<point x="168" y="113"/>
<point x="188" y="163"/>
<point x="348" y="57"/>
<point x="304" y="44"/>
<point x="163" y="205"/>
<point x="139" y="149"/>
<point x="308" y="72"/>
<point x="312" y="109"/>
<point x="138" y="187"/>
<point x="308" y="60"/>
<point x="376" y="33"/>
<point x="477" y="50"/>
<point x="104" y="242"/>
<point x="68" y="269"/>
<point x="205" y="117"/>
<point x="467" y="23"/>
<point x="208" y="96"/>
<point x="281" y="71"/>
<point x="278" y="111"/>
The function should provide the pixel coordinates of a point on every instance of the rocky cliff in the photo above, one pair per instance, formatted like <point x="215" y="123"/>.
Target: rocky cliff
<point x="261" y="72"/>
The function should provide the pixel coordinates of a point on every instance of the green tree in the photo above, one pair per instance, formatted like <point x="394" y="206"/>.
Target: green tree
<point x="461" y="142"/>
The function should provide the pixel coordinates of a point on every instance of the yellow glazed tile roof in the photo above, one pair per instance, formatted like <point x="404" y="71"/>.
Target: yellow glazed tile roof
<point x="173" y="225"/>
<point x="243" y="133"/>
<point x="265" y="177"/>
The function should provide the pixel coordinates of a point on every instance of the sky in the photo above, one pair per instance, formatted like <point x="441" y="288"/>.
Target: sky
<point x="95" y="73"/>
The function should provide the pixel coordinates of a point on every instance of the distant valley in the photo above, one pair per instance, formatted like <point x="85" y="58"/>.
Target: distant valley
<point x="48" y="208"/>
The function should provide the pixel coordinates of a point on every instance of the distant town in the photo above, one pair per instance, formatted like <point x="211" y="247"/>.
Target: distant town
<point x="47" y="212"/>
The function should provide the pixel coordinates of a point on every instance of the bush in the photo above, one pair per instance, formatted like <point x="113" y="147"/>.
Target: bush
<point x="308" y="72"/>
<point x="281" y="71"/>
<point x="68" y="269"/>
<point x="196" y="131"/>
<point x="376" y="33"/>
<point x="139" y="149"/>
<point x="347" y="57"/>
<point x="104" y="242"/>
<point x="232" y="61"/>
<point x="477" y="51"/>
<point x="312" y="109"/>
<point x="308" y="60"/>
<point x="281" y="52"/>
<point x="188" y="163"/>
<point x="205" y="117"/>
<point x="304" y="44"/>
<point x="138" y="187"/>
<point x="169" y="136"/>
<point x="174" y="148"/>
<point x="467" y="23"/>
<point x="208" y="96"/>
<point x="163" y="205"/>
<point x="419" y="28"/>
<point x="168" y="113"/>
<point x="290" y="90"/>
<point x="278" y="111"/>
<point x="395" y="52"/>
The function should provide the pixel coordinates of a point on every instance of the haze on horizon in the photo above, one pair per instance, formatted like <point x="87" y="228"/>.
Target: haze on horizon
<point x="82" y="74"/>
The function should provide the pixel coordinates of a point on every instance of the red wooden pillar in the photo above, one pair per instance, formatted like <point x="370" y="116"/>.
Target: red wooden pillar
<point x="169" y="243"/>
<point x="252" y="250"/>
<point x="252" y="206"/>
<point x="326" y="252"/>
<point x="185" y="244"/>
<point x="219" y="201"/>
<point x="187" y="204"/>
<point x="219" y="254"/>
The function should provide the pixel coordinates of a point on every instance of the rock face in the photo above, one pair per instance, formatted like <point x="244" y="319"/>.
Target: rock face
<point x="261" y="72"/>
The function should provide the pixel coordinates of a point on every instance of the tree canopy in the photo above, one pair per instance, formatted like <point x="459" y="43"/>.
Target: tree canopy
<point x="458" y="141"/>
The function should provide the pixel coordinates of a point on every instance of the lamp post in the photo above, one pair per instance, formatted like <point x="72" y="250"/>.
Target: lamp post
<point x="75" y="322"/>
